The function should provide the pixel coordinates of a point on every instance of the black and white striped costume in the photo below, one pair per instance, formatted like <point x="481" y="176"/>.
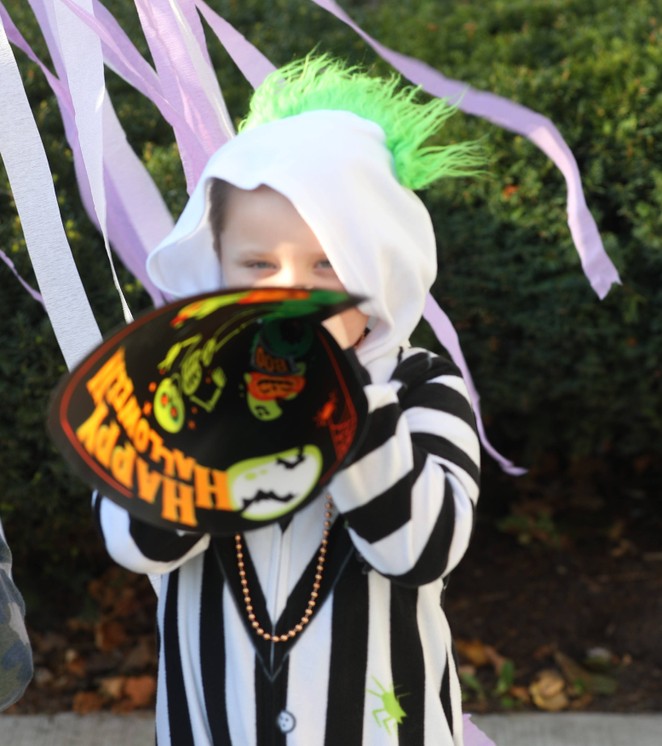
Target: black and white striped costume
<point x="374" y="666"/>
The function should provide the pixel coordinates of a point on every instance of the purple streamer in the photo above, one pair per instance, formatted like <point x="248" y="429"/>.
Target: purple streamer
<point x="597" y="266"/>
<point x="193" y="104"/>
<point x="163" y="89"/>
<point x="474" y="736"/>
<point x="121" y="55"/>
<point x="183" y="88"/>
<point x="123" y="235"/>
<point x="253" y="65"/>
<point x="190" y="13"/>
<point x="27" y="286"/>
<point x="447" y="335"/>
<point x="517" y="118"/>
<point x="60" y="91"/>
<point x="137" y="218"/>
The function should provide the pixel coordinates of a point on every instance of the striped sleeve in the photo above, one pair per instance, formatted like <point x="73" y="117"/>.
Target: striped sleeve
<point x="140" y="547"/>
<point x="409" y="495"/>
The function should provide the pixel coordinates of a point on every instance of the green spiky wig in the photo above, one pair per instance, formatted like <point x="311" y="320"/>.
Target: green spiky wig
<point x="320" y="82"/>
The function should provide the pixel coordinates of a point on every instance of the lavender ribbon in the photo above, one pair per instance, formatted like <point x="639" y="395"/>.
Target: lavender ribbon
<point x="473" y="735"/>
<point x="597" y="266"/>
<point x="186" y="91"/>
<point x="15" y="272"/>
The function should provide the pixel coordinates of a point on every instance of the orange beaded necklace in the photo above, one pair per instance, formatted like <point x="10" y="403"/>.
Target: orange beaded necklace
<point x="312" y="601"/>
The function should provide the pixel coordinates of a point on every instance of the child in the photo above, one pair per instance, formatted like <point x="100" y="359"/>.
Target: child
<point x="325" y="628"/>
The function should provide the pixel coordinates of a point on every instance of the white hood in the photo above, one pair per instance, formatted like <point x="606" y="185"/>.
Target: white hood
<point x="336" y="170"/>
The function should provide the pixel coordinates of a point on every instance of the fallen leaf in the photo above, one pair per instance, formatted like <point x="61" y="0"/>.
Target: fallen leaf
<point x="125" y="603"/>
<point x="42" y="676"/>
<point x="585" y="681"/>
<point x="86" y="702"/>
<point x="48" y="642"/>
<point x="122" y="707"/>
<point x="109" y="634"/>
<point x="497" y="660"/>
<point x="521" y="693"/>
<point x="140" y="656"/>
<point x="112" y="687"/>
<point x="100" y="590"/>
<point x="473" y="651"/>
<point x="140" y="690"/>
<point x="74" y="663"/>
<point x="548" y="691"/>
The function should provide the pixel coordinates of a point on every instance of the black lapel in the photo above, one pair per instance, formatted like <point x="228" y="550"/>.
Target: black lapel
<point x="271" y="655"/>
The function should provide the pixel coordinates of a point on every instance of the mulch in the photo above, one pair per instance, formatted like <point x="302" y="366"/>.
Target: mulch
<point x="556" y="606"/>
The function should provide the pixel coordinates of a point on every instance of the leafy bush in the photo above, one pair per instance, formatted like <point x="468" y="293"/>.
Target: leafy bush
<point x="558" y="370"/>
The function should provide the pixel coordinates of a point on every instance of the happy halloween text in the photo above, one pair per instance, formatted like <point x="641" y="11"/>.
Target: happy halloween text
<point x="119" y="437"/>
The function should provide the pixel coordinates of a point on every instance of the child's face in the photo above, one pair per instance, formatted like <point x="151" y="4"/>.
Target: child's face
<point x="265" y="242"/>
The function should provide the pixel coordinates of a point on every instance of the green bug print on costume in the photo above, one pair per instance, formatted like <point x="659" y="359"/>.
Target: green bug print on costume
<point x="390" y="712"/>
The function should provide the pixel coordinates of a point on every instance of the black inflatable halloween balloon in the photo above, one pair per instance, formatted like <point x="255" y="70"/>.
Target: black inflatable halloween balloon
<point x="218" y="413"/>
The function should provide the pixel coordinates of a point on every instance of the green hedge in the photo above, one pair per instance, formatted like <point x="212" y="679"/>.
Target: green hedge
<point x="558" y="370"/>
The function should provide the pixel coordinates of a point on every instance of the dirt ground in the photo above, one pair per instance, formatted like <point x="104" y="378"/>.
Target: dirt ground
<point x="557" y="606"/>
<point x="564" y="582"/>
